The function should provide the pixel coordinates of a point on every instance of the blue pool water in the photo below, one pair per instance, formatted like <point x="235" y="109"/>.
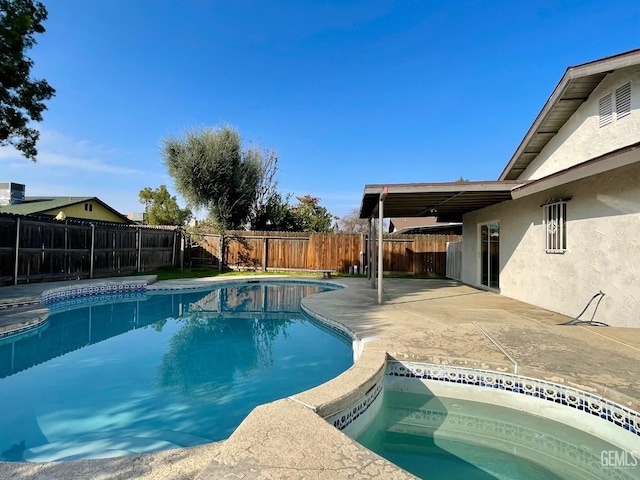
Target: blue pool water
<point x="158" y="371"/>
<point x="442" y="438"/>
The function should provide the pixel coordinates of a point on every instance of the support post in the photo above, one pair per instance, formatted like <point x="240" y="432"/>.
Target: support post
<point x="372" y="249"/>
<point x="380" y="245"/>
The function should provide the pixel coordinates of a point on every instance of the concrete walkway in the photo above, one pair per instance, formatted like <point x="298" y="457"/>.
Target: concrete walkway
<point x="436" y="321"/>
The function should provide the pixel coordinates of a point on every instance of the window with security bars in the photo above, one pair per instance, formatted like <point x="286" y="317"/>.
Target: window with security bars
<point x="614" y="107"/>
<point x="555" y="226"/>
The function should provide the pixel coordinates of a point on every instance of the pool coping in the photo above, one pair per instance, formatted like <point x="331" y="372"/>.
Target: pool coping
<point x="249" y="451"/>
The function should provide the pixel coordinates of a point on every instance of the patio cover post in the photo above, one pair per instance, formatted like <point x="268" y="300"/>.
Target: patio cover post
<point x="383" y="194"/>
<point x="372" y="252"/>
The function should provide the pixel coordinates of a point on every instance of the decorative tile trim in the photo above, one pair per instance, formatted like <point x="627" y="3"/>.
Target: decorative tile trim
<point x="31" y="303"/>
<point x="241" y="283"/>
<point x="94" y="300"/>
<point x="588" y="403"/>
<point x="348" y="415"/>
<point x="51" y="297"/>
<point x="337" y="327"/>
<point x="26" y="328"/>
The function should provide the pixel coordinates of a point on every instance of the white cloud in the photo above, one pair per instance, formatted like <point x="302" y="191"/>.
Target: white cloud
<point x="56" y="150"/>
<point x="68" y="166"/>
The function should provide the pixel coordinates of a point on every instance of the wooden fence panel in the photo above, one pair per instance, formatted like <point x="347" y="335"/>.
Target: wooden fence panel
<point x="7" y="249"/>
<point x="454" y="260"/>
<point x="287" y="253"/>
<point x="328" y="251"/>
<point x="244" y="252"/>
<point x="54" y="250"/>
<point x="398" y="254"/>
<point x="412" y="254"/>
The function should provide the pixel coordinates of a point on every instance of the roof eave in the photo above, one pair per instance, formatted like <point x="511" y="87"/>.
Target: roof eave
<point x="598" y="67"/>
<point x="617" y="159"/>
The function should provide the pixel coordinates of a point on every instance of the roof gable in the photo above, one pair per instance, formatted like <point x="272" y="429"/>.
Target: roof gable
<point x="572" y="91"/>
<point x="41" y="205"/>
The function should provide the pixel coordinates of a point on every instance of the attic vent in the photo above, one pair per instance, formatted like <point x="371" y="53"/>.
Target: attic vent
<point x="623" y="101"/>
<point x="605" y="108"/>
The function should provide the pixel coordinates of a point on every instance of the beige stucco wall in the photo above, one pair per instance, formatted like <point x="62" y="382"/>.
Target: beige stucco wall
<point x="603" y="240"/>
<point x="581" y="138"/>
<point x="98" y="212"/>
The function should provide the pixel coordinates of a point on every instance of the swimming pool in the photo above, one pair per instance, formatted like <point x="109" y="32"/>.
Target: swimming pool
<point x="441" y="438"/>
<point x="158" y="371"/>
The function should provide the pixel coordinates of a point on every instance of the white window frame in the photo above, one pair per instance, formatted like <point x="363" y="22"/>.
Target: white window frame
<point x="554" y="220"/>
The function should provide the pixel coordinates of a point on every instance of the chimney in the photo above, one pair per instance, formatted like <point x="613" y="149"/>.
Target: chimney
<point x="11" y="193"/>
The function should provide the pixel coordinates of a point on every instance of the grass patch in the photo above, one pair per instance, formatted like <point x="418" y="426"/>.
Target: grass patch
<point x="170" y="273"/>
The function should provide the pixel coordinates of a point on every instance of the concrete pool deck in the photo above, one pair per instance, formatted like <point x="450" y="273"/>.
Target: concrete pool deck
<point x="435" y="321"/>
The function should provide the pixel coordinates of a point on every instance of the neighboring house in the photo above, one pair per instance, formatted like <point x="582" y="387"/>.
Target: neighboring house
<point x="13" y="200"/>
<point x="137" y="217"/>
<point x="423" y="225"/>
<point x="562" y="223"/>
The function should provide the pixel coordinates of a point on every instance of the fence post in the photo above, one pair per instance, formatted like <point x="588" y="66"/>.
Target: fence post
<point x="265" y="256"/>
<point x="173" y="250"/>
<point x="221" y="252"/>
<point x="17" y="263"/>
<point x="139" y="238"/>
<point x="182" y="242"/>
<point x="93" y="243"/>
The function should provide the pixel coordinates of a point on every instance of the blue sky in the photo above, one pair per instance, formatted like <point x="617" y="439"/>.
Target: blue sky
<point x="347" y="93"/>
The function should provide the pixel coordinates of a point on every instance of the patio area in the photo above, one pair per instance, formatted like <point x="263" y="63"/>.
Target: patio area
<point x="434" y="321"/>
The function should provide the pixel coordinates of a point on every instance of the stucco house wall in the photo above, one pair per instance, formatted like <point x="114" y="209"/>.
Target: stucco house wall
<point x="97" y="212"/>
<point x="581" y="138"/>
<point x="603" y="248"/>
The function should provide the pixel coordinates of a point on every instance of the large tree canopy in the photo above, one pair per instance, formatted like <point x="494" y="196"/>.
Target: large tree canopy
<point x="21" y="97"/>
<point x="211" y="171"/>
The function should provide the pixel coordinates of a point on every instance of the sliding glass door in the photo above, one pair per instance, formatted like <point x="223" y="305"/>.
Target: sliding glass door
<point x="490" y="255"/>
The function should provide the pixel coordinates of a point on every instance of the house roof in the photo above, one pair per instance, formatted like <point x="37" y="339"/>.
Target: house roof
<point x="39" y="205"/>
<point x="447" y="201"/>
<point x="574" y="89"/>
<point x="619" y="158"/>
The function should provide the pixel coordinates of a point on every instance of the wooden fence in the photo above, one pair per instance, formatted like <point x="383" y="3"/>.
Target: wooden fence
<point x="411" y="254"/>
<point x="36" y="249"/>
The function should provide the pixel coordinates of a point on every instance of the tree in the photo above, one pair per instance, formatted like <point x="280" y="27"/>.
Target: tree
<point x="312" y="216"/>
<point x="352" y="223"/>
<point x="211" y="171"/>
<point x="276" y="215"/>
<point x="161" y="208"/>
<point x="21" y="97"/>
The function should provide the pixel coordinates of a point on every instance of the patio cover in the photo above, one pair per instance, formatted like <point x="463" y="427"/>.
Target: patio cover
<point x="446" y="201"/>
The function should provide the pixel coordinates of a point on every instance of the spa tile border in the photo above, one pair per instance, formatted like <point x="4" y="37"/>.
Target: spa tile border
<point x="350" y="414"/>
<point x="598" y="406"/>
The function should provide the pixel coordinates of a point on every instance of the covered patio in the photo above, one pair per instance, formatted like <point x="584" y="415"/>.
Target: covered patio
<point x="446" y="201"/>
